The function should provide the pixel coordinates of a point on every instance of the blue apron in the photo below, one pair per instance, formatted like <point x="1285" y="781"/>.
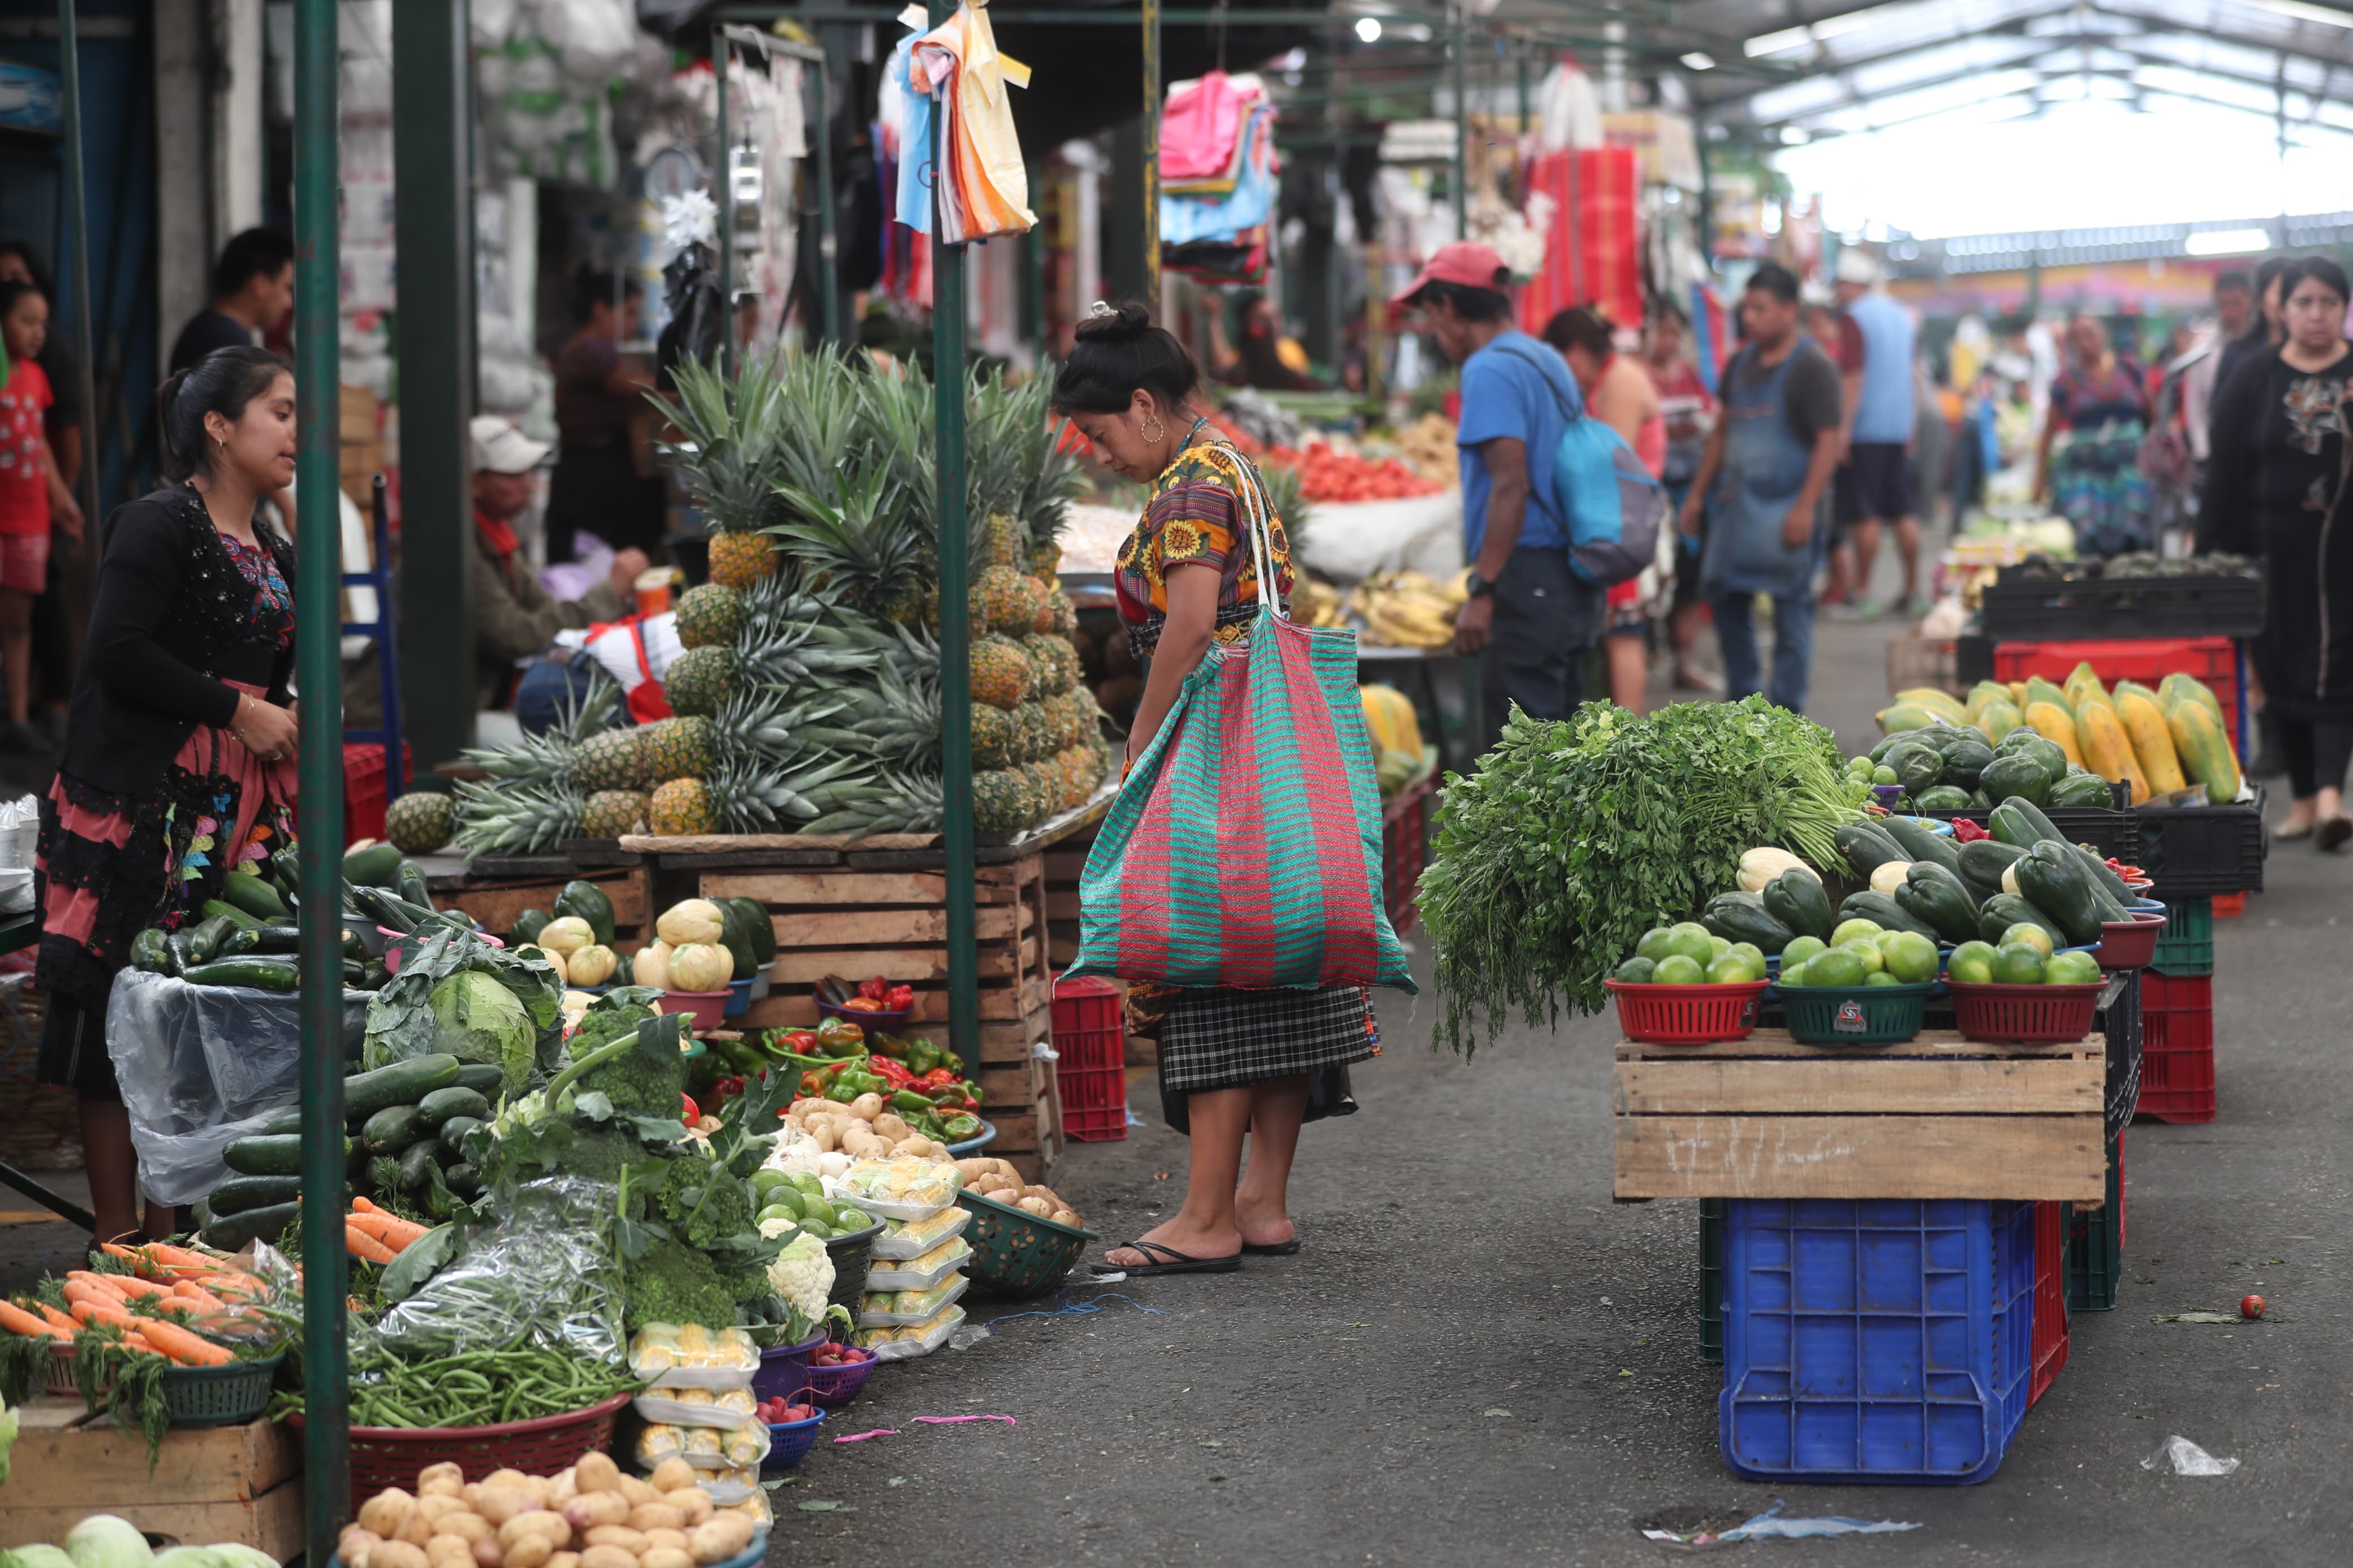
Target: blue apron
<point x="1764" y="469"/>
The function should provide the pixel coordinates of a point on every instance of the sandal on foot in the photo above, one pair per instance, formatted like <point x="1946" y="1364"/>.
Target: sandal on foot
<point x="2333" y="833"/>
<point x="1273" y="1249"/>
<point x="1181" y="1262"/>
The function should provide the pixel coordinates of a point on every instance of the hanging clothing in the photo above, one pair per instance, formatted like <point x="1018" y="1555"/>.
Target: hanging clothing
<point x="1198" y="126"/>
<point x="983" y="183"/>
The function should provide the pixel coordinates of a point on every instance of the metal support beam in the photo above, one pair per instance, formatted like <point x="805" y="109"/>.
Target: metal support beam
<point x="1461" y="44"/>
<point x="1152" y="154"/>
<point x="433" y="213"/>
<point x="318" y="598"/>
<point x="77" y="266"/>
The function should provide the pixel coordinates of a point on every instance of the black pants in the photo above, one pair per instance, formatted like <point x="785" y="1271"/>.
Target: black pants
<point x="598" y="490"/>
<point x="2317" y="752"/>
<point x="1546" y="622"/>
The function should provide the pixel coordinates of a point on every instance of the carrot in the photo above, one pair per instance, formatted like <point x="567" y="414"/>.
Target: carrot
<point x="83" y="1290"/>
<point x="187" y="1349"/>
<point x="401" y="1232"/>
<point x="133" y="1340"/>
<point x="362" y="1245"/>
<point x="388" y="1228"/>
<point x="133" y="1288"/>
<point x="371" y="1221"/>
<point x="106" y="1283"/>
<point x="16" y="1320"/>
<point x="89" y="1312"/>
<point x="363" y="1205"/>
<point x="187" y="1291"/>
<point x="57" y="1320"/>
<point x="129" y="1254"/>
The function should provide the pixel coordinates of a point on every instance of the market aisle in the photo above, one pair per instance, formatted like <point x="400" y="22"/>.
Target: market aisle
<point x="1478" y="1357"/>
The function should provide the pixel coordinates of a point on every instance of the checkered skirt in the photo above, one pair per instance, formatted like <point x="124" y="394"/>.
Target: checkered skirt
<point x="1223" y="1038"/>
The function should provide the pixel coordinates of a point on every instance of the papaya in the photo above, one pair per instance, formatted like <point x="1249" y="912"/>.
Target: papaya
<point x="2204" y="750"/>
<point x="2174" y="686"/>
<point x="1998" y="718"/>
<point x="2055" y="722"/>
<point x="1939" y="702"/>
<point x="2018" y="695"/>
<point x="2041" y="690"/>
<point x="1983" y="692"/>
<point x="2081" y="682"/>
<point x="2108" y="749"/>
<point x="2152" y="743"/>
<point x="1905" y="716"/>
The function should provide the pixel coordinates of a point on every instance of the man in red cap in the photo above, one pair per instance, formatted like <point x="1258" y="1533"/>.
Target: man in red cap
<point x="1530" y="620"/>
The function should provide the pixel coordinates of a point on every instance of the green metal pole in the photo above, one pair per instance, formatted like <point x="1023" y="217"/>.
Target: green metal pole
<point x="950" y="385"/>
<point x="1151" y="155"/>
<point x="828" y="247"/>
<point x="318" y="588"/>
<point x="1523" y="64"/>
<point x="77" y="261"/>
<point x="723" y="179"/>
<point x="1033" y="278"/>
<point x="1458" y="46"/>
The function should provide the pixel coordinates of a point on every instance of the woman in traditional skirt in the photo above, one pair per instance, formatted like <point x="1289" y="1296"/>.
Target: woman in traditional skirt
<point x="1233" y="1063"/>
<point x="178" y="762"/>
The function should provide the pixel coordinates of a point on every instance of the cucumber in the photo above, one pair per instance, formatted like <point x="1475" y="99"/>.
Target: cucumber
<point x="394" y="1128"/>
<point x="151" y="950"/>
<point x="1983" y="861"/>
<point x="454" y="1131"/>
<point x="220" y="910"/>
<point x="1920" y="843"/>
<point x="254" y="971"/>
<point x="483" y="1079"/>
<point x="1886" y="912"/>
<point x="239" y="942"/>
<point x="239" y="1194"/>
<point x="279" y="1126"/>
<point x="2003" y="910"/>
<point x="233" y="1233"/>
<point x="204" y="939"/>
<point x="527" y="927"/>
<point x="371" y="864"/>
<point x="1741" y="917"/>
<point x="464" y="1181"/>
<point x="409" y="881"/>
<point x="455" y="1101"/>
<point x="256" y="898"/>
<point x="417" y="1163"/>
<point x="402" y="1083"/>
<point x="266" y="1155"/>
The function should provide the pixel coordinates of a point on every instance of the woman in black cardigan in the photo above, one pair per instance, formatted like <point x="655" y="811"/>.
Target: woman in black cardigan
<point x="178" y="763"/>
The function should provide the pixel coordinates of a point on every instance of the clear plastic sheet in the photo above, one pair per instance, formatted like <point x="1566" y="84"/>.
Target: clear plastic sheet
<point x="544" y="1274"/>
<point x="200" y="1065"/>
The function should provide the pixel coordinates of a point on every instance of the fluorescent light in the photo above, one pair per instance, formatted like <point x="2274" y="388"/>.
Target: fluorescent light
<point x="2303" y="12"/>
<point x="2226" y="241"/>
<point x="1795" y="136"/>
<point x="1829" y="27"/>
<point x="1700" y="61"/>
<point x="1774" y="42"/>
<point x="1368" y="29"/>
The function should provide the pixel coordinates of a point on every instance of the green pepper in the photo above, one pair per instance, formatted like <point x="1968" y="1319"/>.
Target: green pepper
<point x="956" y="1129"/>
<point x="907" y="1102"/>
<point x="741" y="1056"/>
<point x="837" y="1039"/>
<point x="839" y="1093"/>
<point x="896" y="1047"/>
<point x="921" y="1056"/>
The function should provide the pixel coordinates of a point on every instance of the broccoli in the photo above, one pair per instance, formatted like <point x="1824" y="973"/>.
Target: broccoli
<point x="600" y="1024"/>
<point x="636" y="1084"/>
<point x="599" y="1152"/>
<point x="672" y="1283"/>
<point x="721" y="1207"/>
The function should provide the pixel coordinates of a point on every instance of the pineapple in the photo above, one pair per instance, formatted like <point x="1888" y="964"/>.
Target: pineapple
<point x="734" y="429"/>
<point x="700" y="680"/>
<point x="864" y="546"/>
<point x="676" y="749"/>
<point x="614" y="760"/>
<point x="496" y="817"/>
<point x="680" y="809"/>
<point x="894" y="802"/>
<point x="1033" y="732"/>
<point x="419" y="822"/>
<point x="740" y="561"/>
<point x="993" y="736"/>
<point x="1041" y="599"/>
<point x="613" y="812"/>
<point x="710" y="616"/>
<point x="1000" y="542"/>
<point x="1045" y="790"/>
<point x="1053" y="665"/>
<point x="1000" y="672"/>
<point x="1001" y="602"/>
<point x="1000" y="800"/>
<point x="1064" y="615"/>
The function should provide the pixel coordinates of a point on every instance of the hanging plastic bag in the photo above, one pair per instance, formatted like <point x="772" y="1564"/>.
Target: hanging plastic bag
<point x="543" y="1275"/>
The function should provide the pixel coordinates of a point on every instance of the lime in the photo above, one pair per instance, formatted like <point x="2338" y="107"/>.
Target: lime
<point x="1860" y="765"/>
<point x="817" y="1228"/>
<point x="1800" y="949"/>
<point x="777" y="1211"/>
<point x="2034" y="935"/>
<point x="1752" y="952"/>
<point x="807" y="1183"/>
<point x="1653" y="945"/>
<point x="1883" y="978"/>
<point x="1849" y="930"/>
<point x="1690" y="939"/>
<point x="2018" y="964"/>
<point x="1679" y="969"/>
<point x="1717" y="946"/>
<point x="1911" y="958"/>
<point x="788" y="1198"/>
<point x="768" y="1179"/>
<point x="1636" y="971"/>
<point x="1883" y="775"/>
<point x="1733" y="969"/>
<point x="1794" y="975"/>
<point x="846" y="1218"/>
<point x="2072" y="969"/>
<point x="1840" y="967"/>
<point x="1972" y="963"/>
<point x="1867" y="953"/>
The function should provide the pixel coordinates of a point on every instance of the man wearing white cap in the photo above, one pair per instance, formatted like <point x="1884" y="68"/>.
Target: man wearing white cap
<point x="1875" y="479"/>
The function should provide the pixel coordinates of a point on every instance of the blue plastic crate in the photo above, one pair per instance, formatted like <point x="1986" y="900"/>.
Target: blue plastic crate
<point x="1878" y="1340"/>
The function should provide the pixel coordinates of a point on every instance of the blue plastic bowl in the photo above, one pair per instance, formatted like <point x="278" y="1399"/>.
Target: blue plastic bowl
<point x="739" y="998"/>
<point x="974" y="1144"/>
<point x="790" y="1441"/>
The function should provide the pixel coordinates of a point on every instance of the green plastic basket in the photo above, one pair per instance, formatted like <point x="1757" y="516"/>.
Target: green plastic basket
<point x="1014" y="1253"/>
<point x="2185" y="945"/>
<point x="219" y="1396"/>
<point x="1855" y="1014"/>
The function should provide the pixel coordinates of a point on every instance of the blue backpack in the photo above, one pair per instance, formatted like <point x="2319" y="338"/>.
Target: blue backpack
<point x="1611" y="507"/>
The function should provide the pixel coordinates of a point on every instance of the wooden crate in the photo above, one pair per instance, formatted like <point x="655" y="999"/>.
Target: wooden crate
<point x="209" y="1484"/>
<point x="1064" y="862"/>
<point x="1939" y="1117"/>
<point x="497" y="900"/>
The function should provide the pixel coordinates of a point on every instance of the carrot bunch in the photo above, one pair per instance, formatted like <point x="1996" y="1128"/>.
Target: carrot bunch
<point x="227" y="1285"/>
<point x="375" y="1234"/>
<point x="105" y="1300"/>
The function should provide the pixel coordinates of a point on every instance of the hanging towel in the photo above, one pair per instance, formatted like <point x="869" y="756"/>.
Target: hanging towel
<point x="1199" y="126"/>
<point x="983" y="185"/>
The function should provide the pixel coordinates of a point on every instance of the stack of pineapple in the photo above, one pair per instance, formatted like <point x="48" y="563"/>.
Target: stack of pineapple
<point x="807" y="698"/>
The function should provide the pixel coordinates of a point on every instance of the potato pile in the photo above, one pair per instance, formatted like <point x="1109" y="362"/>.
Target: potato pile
<point x="863" y="1129"/>
<point x="590" y="1516"/>
<point x="998" y="1180"/>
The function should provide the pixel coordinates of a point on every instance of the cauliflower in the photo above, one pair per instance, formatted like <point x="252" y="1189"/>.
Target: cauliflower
<point x="802" y="1273"/>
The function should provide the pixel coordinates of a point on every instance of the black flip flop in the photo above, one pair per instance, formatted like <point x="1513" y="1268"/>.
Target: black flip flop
<point x="1279" y="1250"/>
<point x="1184" y="1263"/>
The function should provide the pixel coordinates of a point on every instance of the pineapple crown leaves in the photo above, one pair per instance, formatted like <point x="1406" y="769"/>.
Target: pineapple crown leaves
<point x="735" y="433"/>
<point x="753" y="795"/>
<point x="861" y="539"/>
<point x="497" y="817"/>
<point x="893" y="802"/>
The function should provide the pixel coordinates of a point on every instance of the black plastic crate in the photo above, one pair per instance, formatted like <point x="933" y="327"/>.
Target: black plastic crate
<point x="2114" y="833"/>
<point x="2095" y="1243"/>
<point x="2197" y="851"/>
<point x="1711" y="1280"/>
<point x="2017" y="607"/>
<point x="2118" y="1021"/>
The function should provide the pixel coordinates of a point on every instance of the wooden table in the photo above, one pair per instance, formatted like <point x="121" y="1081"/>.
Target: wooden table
<point x="1937" y="1117"/>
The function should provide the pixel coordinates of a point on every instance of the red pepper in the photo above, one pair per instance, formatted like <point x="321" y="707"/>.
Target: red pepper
<point x="800" y="1042"/>
<point x="1967" y="832"/>
<point x="894" y="1072"/>
<point x="940" y="1078"/>
<point x="874" y="989"/>
<point x="899" y="999"/>
<point x="690" y="1113"/>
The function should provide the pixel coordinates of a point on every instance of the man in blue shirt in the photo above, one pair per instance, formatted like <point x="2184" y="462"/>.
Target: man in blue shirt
<point x="1875" y="479"/>
<point x="1529" y="619"/>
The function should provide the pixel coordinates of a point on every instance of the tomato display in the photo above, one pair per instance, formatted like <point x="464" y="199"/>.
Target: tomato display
<point x="1327" y="475"/>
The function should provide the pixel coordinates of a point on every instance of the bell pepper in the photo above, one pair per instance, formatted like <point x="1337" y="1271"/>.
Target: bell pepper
<point x="840" y="1091"/>
<point x="688" y="1111"/>
<point x="874" y="988"/>
<point x="860" y="1081"/>
<point x="907" y="1102"/>
<point x="956" y="1129"/>
<point x="884" y="1044"/>
<point x="899" y="999"/>
<point x="895" y="1073"/>
<point x="799" y="1042"/>
<point x="939" y="1077"/>
<point x="740" y="1055"/>
<point x="836" y="1037"/>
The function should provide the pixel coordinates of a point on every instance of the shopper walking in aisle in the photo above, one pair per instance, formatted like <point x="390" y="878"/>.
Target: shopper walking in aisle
<point x="179" y="762"/>
<point x="1763" y="481"/>
<point x="1234" y="1064"/>
<point x="252" y="295"/>
<point x="1874" y="477"/>
<point x="1622" y="396"/>
<point x="2263" y="328"/>
<point x="2276" y="487"/>
<point x="63" y="607"/>
<point x="2235" y="320"/>
<point x="1689" y="409"/>
<point x="596" y="487"/>
<point x="33" y="492"/>
<point x="2088" y="465"/>
<point x="1529" y="618"/>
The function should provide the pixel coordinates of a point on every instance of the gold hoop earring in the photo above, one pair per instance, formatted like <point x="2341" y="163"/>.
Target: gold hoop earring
<point x="1160" y="432"/>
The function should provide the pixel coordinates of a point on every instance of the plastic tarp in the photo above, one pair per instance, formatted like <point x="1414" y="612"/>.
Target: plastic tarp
<point x="200" y="1065"/>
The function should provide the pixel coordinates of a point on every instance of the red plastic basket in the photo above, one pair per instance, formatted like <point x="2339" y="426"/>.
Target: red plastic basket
<point x="2177" y="1059"/>
<point x="1091" y="1066"/>
<point x="2025" y="1015"/>
<point x="391" y="1455"/>
<point x="2129" y="945"/>
<point x="2050" y="1298"/>
<point x="1687" y="1015"/>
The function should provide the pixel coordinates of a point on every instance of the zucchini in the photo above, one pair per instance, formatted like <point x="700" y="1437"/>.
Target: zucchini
<point x="1798" y="899"/>
<point x="278" y="938"/>
<point x="2102" y="873"/>
<point x="151" y="950"/>
<point x="1741" y="917"/>
<point x="286" y="865"/>
<point x="527" y="927"/>
<point x="384" y="909"/>
<point x="1934" y="895"/>
<point x="455" y="1101"/>
<point x="1922" y="843"/>
<point x="371" y="864"/>
<point x="408" y="882"/>
<point x="463" y="1180"/>
<point x="239" y="1194"/>
<point x="454" y="1131"/>
<point x="221" y="910"/>
<point x="394" y="1128"/>
<point x="256" y="898"/>
<point x="417" y="1163"/>
<point x="240" y="942"/>
<point x="266" y="1155"/>
<point x="281" y="1124"/>
<point x="1884" y="912"/>
<point x="480" y="1077"/>
<point x="180" y="947"/>
<point x="1866" y="848"/>
<point x="758" y="928"/>
<point x="402" y="1083"/>
<point x="205" y="937"/>
<point x="253" y="971"/>
<point x="233" y="1233"/>
<point x="587" y="900"/>
<point x="2053" y="879"/>
<point x="2003" y="910"/>
<point x="2022" y="822"/>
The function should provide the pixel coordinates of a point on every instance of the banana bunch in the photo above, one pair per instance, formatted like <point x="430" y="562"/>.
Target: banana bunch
<point x="1428" y="445"/>
<point x="1317" y="603"/>
<point x="1406" y="609"/>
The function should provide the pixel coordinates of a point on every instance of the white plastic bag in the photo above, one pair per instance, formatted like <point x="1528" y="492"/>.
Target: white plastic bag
<point x="671" y="1356"/>
<point x="200" y="1065"/>
<point x="913" y="1239"/>
<point x="1352" y="539"/>
<point x="721" y="1407"/>
<point x="922" y="1339"/>
<point x="919" y="1273"/>
<point x="893" y="1309"/>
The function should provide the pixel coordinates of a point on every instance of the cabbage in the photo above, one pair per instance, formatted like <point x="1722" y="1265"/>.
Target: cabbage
<point x="478" y="1020"/>
<point x="39" y="1557"/>
<point x="239" y="1555"/>
<point x="189" y="1557"/>
<point x="102" y="1541"/>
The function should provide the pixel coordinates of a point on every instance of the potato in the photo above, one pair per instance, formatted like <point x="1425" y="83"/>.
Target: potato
<point x="561" y="1488"/>
<point x="500" y="1504"/>
<point x="431" y="1506"/>
<point x="472" y="1526"/>
<point x="666" y="1557"/>
<point x="386" y="1511"/>
<point x="489" y="1553"/>
<point x="354" y="1544"/>
<point x="670" y="1476"/>
<point x="691" y="1502"/>
<point x="629" y="1541"/>
<point x="538" y="1521"/>
<point x="638" y="1491"/>
<point x="442" y="1478"/>
<point x="396" y="1554"/>
<point x="1066" y="1217"/>
<point x="469" y="1491"/>
<point x="562" y="1560"/>
<point x="866" y="1107"/>
<point x="505" y="1477"/>
<point x="720" y="1537"/>
<point x="530" y="1552"/>
<point x="596" y="1473"/>
<point x="608" y="1557"/>
<point x="659" y="1538"/>
<point x="455" y="1550"/>
<point x="539" y="1487"/>
<point x="656" y="1516"/>
<point x="823" y="1132"/>
<point x="590" y="1509"/>
<point x="416" y="1530"/>
<point x="1038" y="1207"/>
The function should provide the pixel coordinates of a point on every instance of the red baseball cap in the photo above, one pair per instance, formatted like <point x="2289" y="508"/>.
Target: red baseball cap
<point x="1473" y="265"/>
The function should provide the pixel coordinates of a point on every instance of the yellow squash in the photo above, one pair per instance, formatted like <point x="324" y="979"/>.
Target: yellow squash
<point x="2152" y="742"/>
<point x="1934" y="700"/>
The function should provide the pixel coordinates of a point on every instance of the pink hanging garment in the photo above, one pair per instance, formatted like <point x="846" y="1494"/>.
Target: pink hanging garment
<point x="1198" y="127"/>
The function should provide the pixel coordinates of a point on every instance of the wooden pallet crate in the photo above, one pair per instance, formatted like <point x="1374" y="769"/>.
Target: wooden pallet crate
<point x="1937" y="1117"/>
<point x="209" y="1484"/>
<point x="497" y="900"/>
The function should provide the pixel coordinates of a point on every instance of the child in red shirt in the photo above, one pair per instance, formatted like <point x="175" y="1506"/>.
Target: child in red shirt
<point x="31" y="494"/>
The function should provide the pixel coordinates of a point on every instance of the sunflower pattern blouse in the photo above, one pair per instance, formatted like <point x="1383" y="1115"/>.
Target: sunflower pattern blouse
<point x="1197" y="514"/>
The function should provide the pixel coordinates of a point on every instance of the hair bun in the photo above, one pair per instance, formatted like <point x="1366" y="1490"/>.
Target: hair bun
<point x="1120" y="323"/>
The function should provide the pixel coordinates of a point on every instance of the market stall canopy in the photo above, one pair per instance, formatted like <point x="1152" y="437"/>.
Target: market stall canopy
<point x="1865" y="67"/>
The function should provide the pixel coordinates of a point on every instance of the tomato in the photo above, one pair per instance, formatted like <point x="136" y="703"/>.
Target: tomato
<point x="2251" y="1306"/>
<point x="690" y="1112"/>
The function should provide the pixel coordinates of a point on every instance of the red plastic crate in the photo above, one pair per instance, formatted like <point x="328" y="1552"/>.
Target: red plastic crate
<point x="2229" y="905"/>
<point x="1404" y="839"/>
<point x="2177" y="1064"/>
<point x="1091" y="1066"/>
<point x="2050" y="1298"/>
<point x="364" y="791"/>
<point x="2214" y="660"/>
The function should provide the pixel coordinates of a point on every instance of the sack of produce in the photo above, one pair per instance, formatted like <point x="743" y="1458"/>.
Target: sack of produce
<point x="704" y="1448"/>
<point x="904" y="1344"/>
<point x="721" y="1407"/>
<point x="913" y="1237"/>
<point x="901" y="1187"/>
<point x="899" y="1309"/>
<point x="919" y="1273"/>
<point x="201" y="1065"/>
<point x="688" y="1356"/>
<point x="543" y="1275"/>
